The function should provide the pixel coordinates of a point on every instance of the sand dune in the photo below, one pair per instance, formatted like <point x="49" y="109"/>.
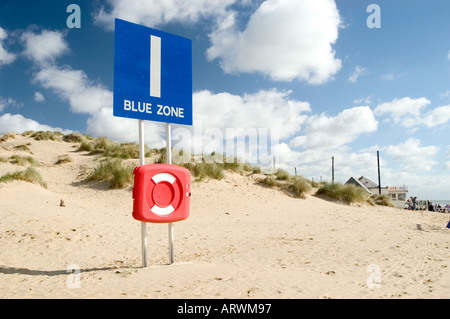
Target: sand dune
<point x="242" y="240"/>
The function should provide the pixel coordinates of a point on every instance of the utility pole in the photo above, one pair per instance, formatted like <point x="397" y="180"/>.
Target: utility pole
<point x="379" y="179"/>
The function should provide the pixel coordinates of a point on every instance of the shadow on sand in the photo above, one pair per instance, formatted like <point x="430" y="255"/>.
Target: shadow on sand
<point x="34" y="272"/>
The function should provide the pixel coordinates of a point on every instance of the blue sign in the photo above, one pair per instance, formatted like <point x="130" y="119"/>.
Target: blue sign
<point x="152" y="74"/>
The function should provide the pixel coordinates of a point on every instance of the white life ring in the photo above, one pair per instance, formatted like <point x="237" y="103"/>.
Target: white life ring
<point x="158" y="178"/>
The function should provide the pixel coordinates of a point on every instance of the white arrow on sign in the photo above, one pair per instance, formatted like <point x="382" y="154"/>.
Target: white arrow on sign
<point x="155" y="66"/>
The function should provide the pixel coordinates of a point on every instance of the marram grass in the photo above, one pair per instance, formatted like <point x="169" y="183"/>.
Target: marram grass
<point x="299" y="186"/>
<point x="381" y="200"/>
<point x="270" y="181"/>
<point x="63" y="159"/>
<point x="344" y="192"/>
<point x="281" y="174"/>
<point x="114" y="172"/>
<point x="23" y="160"/>
<point x="29" y="175"/>
<point x="107" y="148"/>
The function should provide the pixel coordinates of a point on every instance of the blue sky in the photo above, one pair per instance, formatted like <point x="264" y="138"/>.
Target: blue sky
<point x="313" y="70"/>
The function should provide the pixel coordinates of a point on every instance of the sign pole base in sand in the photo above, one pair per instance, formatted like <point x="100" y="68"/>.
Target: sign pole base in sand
<point x="143" y="224"/>
<point x="169" y="161"/>
<point x="142" y="162"/>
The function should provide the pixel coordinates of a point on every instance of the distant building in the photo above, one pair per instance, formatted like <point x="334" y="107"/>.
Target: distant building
<point x="396" y="193"/>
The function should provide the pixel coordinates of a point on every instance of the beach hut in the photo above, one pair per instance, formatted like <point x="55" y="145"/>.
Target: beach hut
<point x="397" y="194"/>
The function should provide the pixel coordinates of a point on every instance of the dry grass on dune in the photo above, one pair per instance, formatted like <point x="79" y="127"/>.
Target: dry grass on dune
<point x="113" y="169"/>
<point x="28" y="175"/>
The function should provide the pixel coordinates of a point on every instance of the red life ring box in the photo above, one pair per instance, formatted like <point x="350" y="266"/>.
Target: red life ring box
<point x="161" y="193"/>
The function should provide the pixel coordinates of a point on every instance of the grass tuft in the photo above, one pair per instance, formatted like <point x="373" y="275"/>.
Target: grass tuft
<point x="347" y="192"/>
<point x="233" y="165"/>
<point x="270" y="181"/>
<point x="281" y="174"/>
<point x="86" y="145"/>
<point x="63" y="159"/>
<point x="23" y="147"/>
<point x="381" y="200"/>
<point x="119" y="176"/>
<point x="74" y="138"/>
<point x="212" y="169"/>
<point x="5" y="137"/>
<point x="27" y="133"/>
<point x="299" y="186"/>
<point x="23" y="160"/>
<point x="29" y="175"/>
<point x="47" y="135"/>
<point x="204" y="170"/>
<point x="107" y="148"/>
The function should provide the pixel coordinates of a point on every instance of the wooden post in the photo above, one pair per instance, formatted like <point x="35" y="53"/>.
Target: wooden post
<point x="379" y="178"/>
<point x="332" y="170"/>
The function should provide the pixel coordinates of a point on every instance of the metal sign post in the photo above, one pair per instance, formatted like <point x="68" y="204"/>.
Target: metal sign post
<point x="169" y="161"/>
<point x="143" y="224"/>
<point x="142" y="162"/>
<point x="152" y="82"/>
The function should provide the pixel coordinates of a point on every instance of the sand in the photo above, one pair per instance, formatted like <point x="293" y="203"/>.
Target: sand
<point x="242" y="240"/>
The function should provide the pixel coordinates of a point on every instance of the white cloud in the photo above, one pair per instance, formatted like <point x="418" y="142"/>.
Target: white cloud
<point x="156" y="12"/>
<point x="103" y="123"/>
<point x="285" y="40"/>
<point x="5" y="102"/>
<point x="445" y="95"/>
<point x="415" y="165"/>
<point x="245" y="126"/>
<point x="220" y="116"/>
<point x="405" y="111"/>
<point x="412" y="156"/>
<point x="17" y="123"/>
<point x="447" y="151"/>
<point x="446" y="166"/>
<point x="317" y="163"/>
<point x="388" y="76"/>
<point x="75" y="87"/>
<point x="439" y="115"/>
<point x="38" y="97"/>
<point x="409" y="113"/>
<point x="334" y="132"/>
<point x="44" y="47"/>
<point x="264" y="109"/>
<point x="5" y="56"/>
<point x="359" y="70"/>
<point x="298" y="141"/>
<point x="391" y="76"/>
<point x="364" y="100"/>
